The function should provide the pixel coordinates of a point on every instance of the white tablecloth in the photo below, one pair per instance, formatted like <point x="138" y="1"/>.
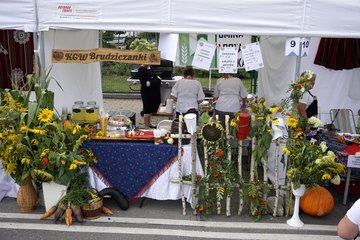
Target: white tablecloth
<point x="8" y="187"/>
<point x="163" y="188"/>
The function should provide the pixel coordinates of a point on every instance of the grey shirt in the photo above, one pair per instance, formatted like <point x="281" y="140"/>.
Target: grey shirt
<point x="188" y="92"/>
<point x="229" y="93"/>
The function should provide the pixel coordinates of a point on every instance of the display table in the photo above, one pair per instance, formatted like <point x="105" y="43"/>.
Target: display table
<point x="139" y="169"/>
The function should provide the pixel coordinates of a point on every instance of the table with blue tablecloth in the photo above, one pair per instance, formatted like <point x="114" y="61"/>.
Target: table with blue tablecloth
<point x="139" y="169"/>
<point x="131" y="167"/>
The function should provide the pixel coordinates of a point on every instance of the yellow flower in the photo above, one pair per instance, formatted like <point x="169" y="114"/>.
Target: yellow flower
<point x="73" y="166"/>
<point x="286" y="151"/>
<point x="45" y="115"/>
<point x="275" y="121"/>
<point x="77" y="162"/>
<point x="37" y="131"/>
<point x="99" y="134"/>
<point x="260" y="118"/>
<point x="298" y="134"/>
<point x="25" y="160"/>
<point x="232" y="123"/>
<point x="326" y="176"/>
<point x="23" y="129"/>
<point x="34" y="142"/>
<point x="63" y="162"/>
<point x="292" y="122"/>
<point x="44" y="152"/>
<point x="76" y="128"/>
<point x="274" y="109"/>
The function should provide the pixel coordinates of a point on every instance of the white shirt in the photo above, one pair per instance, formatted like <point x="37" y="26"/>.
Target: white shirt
<point x="306" y="99"/>
<point x="229" y="93"/>
<point x="187" y="92"/>
<point x="354" y="213"/>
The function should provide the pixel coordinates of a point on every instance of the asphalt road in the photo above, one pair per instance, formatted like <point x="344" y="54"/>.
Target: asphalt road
<point x="163" y="220"/>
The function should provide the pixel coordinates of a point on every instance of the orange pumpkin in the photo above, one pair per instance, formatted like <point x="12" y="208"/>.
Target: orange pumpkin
<point x="317" y="201"/>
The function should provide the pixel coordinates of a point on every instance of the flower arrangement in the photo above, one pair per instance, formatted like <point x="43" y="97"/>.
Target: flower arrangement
<point x="308" y="162"/>
<point x="33" y="141"/>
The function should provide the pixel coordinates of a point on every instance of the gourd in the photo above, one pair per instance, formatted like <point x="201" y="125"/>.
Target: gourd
<point x="317" y="201"/>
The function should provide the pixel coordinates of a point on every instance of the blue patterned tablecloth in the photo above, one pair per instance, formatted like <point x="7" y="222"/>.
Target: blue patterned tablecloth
<point x="131" y="167"/>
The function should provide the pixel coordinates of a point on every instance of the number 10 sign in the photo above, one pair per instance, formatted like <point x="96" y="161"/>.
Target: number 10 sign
<point x="293" y="46"/>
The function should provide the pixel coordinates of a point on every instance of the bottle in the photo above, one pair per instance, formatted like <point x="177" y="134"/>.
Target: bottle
<point x="78" y="111"/>
<point x="92" y="112"/>
<point x="67" y="123"/>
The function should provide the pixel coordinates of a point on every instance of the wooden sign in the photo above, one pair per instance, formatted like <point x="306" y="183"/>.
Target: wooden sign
<point x="105" y="54"/>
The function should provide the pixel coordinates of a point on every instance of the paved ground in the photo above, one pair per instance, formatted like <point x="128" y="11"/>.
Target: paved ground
<point x="164" y="219"/>
<point x="129" y="105"/>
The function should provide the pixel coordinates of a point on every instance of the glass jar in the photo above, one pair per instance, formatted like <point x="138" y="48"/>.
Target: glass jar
<point x="92" y="112"/>
<point x="78" y="111"/>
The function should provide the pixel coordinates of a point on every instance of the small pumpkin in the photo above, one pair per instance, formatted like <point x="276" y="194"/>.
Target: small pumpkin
<point x="317" y="201"/>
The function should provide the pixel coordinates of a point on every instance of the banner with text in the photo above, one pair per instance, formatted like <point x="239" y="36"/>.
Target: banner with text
<point x="188" y="43"/>
<point x="105" y="54"/>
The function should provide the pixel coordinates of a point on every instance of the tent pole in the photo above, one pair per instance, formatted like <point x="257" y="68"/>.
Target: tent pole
<point x="41" y="46"/>
<point x="36" y="54"/>
<point x="209" y="80"/>
<point x="298" y="60"/>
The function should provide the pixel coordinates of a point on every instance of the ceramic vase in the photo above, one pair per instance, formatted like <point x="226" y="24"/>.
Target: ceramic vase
<point x="27" y="196"/>
<point x="295" y="220"/>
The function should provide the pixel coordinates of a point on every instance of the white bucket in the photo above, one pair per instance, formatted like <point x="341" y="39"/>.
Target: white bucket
<point x="190" y="121"/>
<point x="52" y="193"/>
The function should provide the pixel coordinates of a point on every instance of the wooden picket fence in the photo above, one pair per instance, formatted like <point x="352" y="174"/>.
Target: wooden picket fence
<point x="276" y="186"/>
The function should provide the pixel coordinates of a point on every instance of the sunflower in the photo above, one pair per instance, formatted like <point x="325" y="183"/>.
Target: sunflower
<point x="45" y="115"/>
<point x="212" y="132"/>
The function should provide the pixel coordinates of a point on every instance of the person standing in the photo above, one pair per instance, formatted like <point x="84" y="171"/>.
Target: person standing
<point x="150" y="93"/>
<point x="229" y="96"/>
<point x="187" y="93"/>
<point x="349" y="225"/>
<point x="308" y="105"/>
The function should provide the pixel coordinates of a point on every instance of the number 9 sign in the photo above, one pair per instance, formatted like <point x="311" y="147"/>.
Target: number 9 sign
<point x="295" y="44"/>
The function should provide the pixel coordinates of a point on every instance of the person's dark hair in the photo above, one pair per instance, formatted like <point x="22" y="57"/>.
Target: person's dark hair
<point x="188" y="71"/>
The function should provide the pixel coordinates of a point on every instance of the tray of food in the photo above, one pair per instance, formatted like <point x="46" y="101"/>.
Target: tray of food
<point x="139" y="134"/>
<point x="119" y="121"/>
<point x="351" y="138"/>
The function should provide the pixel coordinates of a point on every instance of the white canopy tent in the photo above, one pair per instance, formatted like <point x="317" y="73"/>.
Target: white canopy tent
<point x="327" y="18"/>
<point x="312" y="18"/>
<point x="18" y="15"/>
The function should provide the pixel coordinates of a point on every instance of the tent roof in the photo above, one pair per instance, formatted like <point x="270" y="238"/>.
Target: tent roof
<point x="325" y="18"/>
<point x="18" y="15"/>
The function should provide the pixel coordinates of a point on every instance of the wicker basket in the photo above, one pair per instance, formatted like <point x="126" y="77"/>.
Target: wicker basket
<point x="93" y="210"/>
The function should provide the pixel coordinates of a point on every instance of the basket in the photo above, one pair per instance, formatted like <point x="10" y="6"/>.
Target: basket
<point x="92" y="210"/>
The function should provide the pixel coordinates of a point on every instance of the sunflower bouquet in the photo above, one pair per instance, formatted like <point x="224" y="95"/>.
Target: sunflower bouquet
<point x="33" y="141"/>
<point x="309" y="161"/>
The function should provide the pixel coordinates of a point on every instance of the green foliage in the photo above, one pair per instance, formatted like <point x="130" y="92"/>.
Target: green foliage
<point x="255" y="192"/>
<point x="260" y="129"/>
<point x="219" y="181"/>
<point x="143" y="45"/>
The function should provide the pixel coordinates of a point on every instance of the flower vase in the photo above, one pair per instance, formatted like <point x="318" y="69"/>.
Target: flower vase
<point x="295" y="220"/>
<point x="26" y="196"/>
<point x="243" y="126"/>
